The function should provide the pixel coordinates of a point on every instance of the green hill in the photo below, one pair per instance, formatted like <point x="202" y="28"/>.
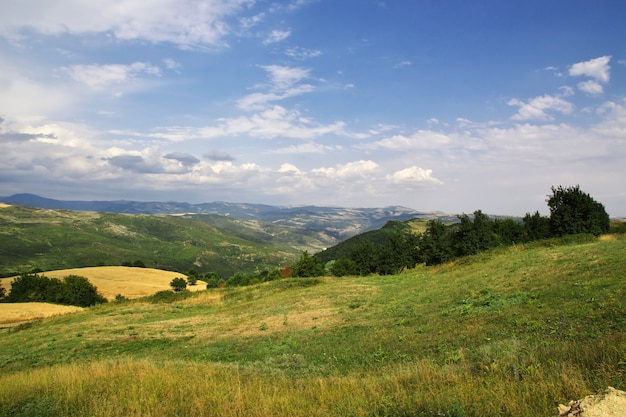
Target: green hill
<point x="510" y="332"/>
<point x="43" y="239"/>
<point x="377" y="238"/>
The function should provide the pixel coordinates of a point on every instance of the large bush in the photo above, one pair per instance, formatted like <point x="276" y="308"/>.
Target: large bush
<point x="73" y="290"/>
<point x="572" y="211"/>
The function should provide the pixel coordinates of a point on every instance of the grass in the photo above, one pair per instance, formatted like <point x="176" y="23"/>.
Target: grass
<point x="512" y="332"/>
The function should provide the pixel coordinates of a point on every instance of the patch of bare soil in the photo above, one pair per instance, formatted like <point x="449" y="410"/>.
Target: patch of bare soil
<point x="610" y="403"/>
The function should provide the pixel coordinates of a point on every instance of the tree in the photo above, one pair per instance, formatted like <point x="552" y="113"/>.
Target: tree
<point x="178" y="284"/>
<point x="436" y="244"/>
<point x="364" y="256"/>
<point x="342" y="267"/>
<point x="536" y="227"/>
<point x="574" y="211"/>
<point x="78" y="291"/>
<point x="73" y="290"/>
<point x="308" y="266"/>
<point x="192" y="276"/>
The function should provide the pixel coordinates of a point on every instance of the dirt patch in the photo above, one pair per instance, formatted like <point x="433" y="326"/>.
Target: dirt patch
<point x="610" y="403"/>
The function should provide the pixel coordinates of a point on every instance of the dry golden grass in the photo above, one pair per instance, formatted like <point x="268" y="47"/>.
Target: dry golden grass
<point x="110" y="281"/>
<point x="12" y="313"/>
<point x="3" y="205"/>
<point x="124" y="280"/>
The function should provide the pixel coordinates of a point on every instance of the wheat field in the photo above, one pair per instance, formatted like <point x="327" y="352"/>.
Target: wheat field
<point x="110" y="281"/>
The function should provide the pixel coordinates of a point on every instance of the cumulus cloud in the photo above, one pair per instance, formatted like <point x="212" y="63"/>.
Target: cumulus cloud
<point x="103" y="75"/>
<point x="413" y="175"/>
<point x="535" y="108"/>
<point x="349" y="170"/>
<point x="590" y="87"/>
<point x="597" y="68"/>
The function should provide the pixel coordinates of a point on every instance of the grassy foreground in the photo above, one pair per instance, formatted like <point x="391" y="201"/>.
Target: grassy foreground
<point x="508" y="333"/>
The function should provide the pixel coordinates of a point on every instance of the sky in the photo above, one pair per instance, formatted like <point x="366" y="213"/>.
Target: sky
<point x="450" y="106"/>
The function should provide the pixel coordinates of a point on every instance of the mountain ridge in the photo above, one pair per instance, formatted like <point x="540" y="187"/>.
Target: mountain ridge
<point x="338" y="222"/>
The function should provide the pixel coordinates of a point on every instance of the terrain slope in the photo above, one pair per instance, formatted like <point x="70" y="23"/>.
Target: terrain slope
<point x="511" y="332"/>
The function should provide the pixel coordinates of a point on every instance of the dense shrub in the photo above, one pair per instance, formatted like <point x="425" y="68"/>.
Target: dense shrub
<point x="572" y="211"/>
<point x="73" y="290"/>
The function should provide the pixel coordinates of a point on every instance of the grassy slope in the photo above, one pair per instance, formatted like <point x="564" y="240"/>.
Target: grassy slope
<point x="57" y="239"/>
<point x="511" y="332"/>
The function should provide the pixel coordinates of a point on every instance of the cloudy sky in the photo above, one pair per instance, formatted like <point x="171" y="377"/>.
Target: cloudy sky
<point x="435" y="105"/>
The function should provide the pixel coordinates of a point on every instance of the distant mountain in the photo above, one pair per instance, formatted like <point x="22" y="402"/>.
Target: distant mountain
<point x="336" y="222"/>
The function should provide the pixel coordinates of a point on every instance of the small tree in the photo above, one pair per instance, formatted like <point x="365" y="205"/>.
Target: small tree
<point x="178" y="284"/>
<point x="308" y="266"/>
<point x="573" y="211"/>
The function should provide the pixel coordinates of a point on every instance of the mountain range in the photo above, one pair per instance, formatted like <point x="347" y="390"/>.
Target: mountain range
<point x="338" y="223"/>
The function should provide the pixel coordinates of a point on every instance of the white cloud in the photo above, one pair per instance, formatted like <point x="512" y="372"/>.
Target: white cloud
<point x="283" y="77"/>
<point x="590" y="87"/>
<point x="187" y="23"/>
<point x="413" y="175"/>
<point x="350" y="170"/>
<point x="302" y="54"/>
<point x="97" y="76"/>
<point x="308" y="147"/>
<point x="535" y="109"/>
<point x="172" y="65"/>
<point x="276" y="36"/>
<point x="597" y="68"/>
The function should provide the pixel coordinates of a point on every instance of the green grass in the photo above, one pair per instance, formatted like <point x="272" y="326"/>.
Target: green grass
<point x="511" y="332"/>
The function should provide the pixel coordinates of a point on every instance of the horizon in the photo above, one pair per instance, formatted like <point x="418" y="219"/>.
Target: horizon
<point x="439" y="107"/>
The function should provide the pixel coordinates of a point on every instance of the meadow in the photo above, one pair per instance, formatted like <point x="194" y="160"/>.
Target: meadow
<point x="510" y="332"/>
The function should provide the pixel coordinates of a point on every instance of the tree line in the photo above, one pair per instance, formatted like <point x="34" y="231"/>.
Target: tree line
<point x="572" y="211"/>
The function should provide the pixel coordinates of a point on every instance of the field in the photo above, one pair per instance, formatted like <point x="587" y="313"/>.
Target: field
<point x="512" y="332"/>
<point x="21" y="312"/>
<point x="110" y="281"/>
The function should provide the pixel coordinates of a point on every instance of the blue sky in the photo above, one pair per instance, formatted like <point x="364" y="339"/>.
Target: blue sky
<point x="435" y="105"/>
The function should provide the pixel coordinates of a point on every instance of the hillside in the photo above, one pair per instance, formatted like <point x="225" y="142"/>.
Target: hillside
<point x="333" y="223"/>
<point x="511" y="332"/>
<point x="44" y="239"/>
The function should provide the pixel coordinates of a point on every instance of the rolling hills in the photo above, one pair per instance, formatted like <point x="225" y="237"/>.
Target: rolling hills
<point x="45" y="239"/>
<point x="510" y="332"/>
<point x="334" y="223"/>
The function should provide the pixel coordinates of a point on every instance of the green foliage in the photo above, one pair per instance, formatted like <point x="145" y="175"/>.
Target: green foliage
<point x="536" y="227"/>
<point x="79" y="291"/>
<point x="436" y="244"/>
<point x="73" y="290"/>
<point x="342" y="267"/>
<point x="308" y="266"/>
<point x="167" y="296"/>
<point x="211" y="279"/>
<point x="573" y="211"/>
<point x="178" y="284"/>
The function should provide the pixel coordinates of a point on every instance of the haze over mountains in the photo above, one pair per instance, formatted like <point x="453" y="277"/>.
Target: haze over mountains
<point x="339" y="222"/>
